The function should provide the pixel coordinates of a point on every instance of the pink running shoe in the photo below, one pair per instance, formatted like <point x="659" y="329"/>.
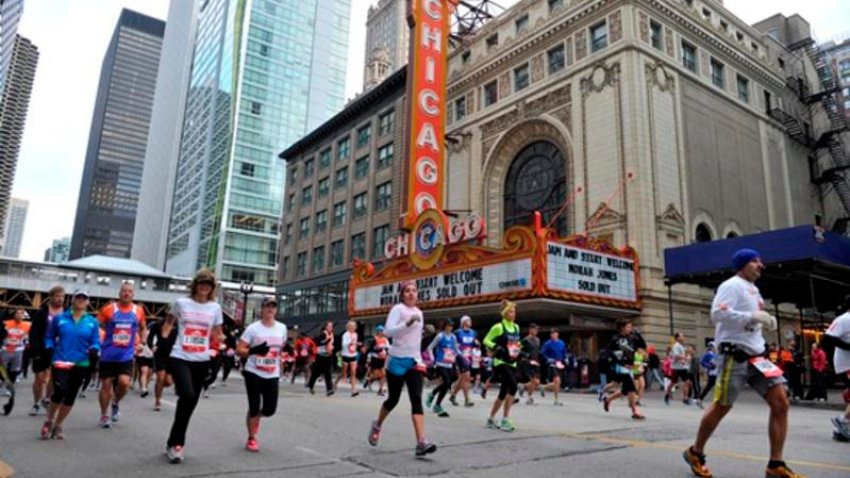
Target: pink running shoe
<point x="252" y="445"/>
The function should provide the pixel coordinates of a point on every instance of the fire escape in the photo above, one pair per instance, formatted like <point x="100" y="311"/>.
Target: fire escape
<point x="470" y="15"/>
<point x="834" y="171"/>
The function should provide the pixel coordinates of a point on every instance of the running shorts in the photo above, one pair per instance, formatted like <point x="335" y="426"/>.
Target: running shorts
<point x="43" y="363"/>
<point x="12" y="361"/>
<point x="348" y="359"/>
<point x="145" y="361"/>
<point x="734" y="374"/>
<point x="160" y="363"/>
<point x="377" y="363"/>
<point x="528" y="372"/>
<point x="626" y="381"/>
<point x="114" y="369"/>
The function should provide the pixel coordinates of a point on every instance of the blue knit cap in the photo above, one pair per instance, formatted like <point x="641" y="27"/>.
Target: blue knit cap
<point x="742" y="257"/>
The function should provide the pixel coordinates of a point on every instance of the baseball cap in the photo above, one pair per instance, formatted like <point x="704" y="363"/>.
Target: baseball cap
<point x="379" y="328"/>
<point x="269" y="300"/>
<point x="81" y="292"/>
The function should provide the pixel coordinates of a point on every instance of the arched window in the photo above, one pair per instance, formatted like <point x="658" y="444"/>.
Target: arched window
<point x="731" y="235"/>
<point x="703" y="233"/>
<point x="536" y="181"/>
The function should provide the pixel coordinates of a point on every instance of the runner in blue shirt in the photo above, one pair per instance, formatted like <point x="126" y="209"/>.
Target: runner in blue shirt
<point x="445" y="350"/>
<point x="554" y="351"/>
<point x="466" y="337"/>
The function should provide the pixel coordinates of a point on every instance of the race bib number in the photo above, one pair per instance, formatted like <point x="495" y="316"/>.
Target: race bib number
<point x="513" y="350"/>
<point x="448" y="355"/>
<point x="267" y="363"/>
<point x="766" y="367"/>
<point x="121" y="335"/>
<point x="196" y="339"/>
<point x="467" y="353"/>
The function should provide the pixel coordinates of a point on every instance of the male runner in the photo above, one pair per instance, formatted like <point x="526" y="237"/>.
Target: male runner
<point x="739" y="317"/>
<point x="529" y="365"/>
<point x="305" y="354"/>
<point x="42" y="357"/>
<point x="838" y="335"/>
<point x="466" y="338"/>
<point x="681" y="370"/>
<point x="123" y="323"/>
<point x="554" y="351"/>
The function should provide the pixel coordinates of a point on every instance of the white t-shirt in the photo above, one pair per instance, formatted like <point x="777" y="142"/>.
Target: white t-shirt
<point x="194" y="326"/>
<point x="349" y="344"/>
<point x="405" y="340"/>
<point x="268" y="365"/>
<point x="840" y="328"/>
<point x="680" y="361"/>
<point x="731" y="312"/>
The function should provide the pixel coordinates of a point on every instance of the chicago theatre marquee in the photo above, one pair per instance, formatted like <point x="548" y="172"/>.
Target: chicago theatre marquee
<point x="582" y="139"/>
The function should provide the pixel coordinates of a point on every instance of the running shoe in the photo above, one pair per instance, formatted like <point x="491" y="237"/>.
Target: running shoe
<point x="667" y="399"/>
<point x="34" y="410"/>
<point x="468" y="403"/>
<point x="600" y="394"/>
<point x="7" y="408"/>
<point x="781" y="471"/>
<point x="491" y="423"/>
<point x="83" y="393"/>
<point x="381" y="393"/>
<point x="440" y="411"/>
<point x="145" y="394"/>
<point x="330" y="393"/>
<point x="483" y="394"/>
<point x="530" y="401"/>
<point x="699" y="404"/>
<point x="697" y="463"/>
<point x="116" y="413"/>
<point x="45" y="430"/>
<point x="429" y="400"/>
<point x="374" y="433"/>
<point x="45" y="404"/>
<point x="157" y="408"/>
<point x="638" y="416"/>
<point x="606" y="404"/>
<point x="57" y="433"/>
<point x="104" y="422"/>
<point x="507" y="425"/>
<point x="425" y="447"/>
<point x="841" y="426"/>
<point x="175" y="454"/>
<point x="453" y="400"/>
<point x="558" y="404"/>
<point x="252" y="445"/>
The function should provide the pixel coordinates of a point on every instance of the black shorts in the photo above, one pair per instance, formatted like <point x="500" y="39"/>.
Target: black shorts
<point x="348" y="359"/>
<point x="114" y="369"/>
<point x="528" y="372"/>
<point x="160" y="363"/>
<point x="145" y="361"/>
<point x="377" y="363"/>
<point x="682" y="375"/>
<point x="462" y="365"/>
<point x="474" y="372"/>
<point x="43" y="363"/>
<point x="626" y="381"/>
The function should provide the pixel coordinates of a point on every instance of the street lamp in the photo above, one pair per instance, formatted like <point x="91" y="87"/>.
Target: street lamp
<point x="246" y="288"/>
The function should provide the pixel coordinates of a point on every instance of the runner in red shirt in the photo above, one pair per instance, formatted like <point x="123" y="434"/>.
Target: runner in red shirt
<point x="305" y="355"/>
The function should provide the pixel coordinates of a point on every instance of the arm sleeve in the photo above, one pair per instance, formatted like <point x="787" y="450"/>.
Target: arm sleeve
<point x="722" y="308"/>
<point x="247" y="335"/>
<point x="49" y="337"/>
<point x="835" y="342"/>
<point x="95" y="339"/>
<point x="394" y="324"/>
<point x="434" y="343"/>
<point x="346" y="340"/>
<point x="219" y="318"/>
<point x="492" y="335"/>
<point x="545" y="352"/>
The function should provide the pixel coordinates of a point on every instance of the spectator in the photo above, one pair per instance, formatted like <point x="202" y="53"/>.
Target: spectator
<point x="792" y="364"/>
<point x="819" y="366"/>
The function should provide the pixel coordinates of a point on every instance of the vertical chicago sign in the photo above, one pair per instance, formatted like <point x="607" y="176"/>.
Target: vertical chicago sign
<point x="430" y="24"/>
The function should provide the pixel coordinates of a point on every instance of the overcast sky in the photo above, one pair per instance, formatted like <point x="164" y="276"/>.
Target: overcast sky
<point x="72" y="37"/>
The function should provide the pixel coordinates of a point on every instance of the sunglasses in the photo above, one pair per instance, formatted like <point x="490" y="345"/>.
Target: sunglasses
<point x="206" y="282"/>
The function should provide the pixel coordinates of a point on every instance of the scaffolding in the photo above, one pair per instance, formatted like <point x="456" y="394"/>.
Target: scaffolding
<point x="470" y="16"/>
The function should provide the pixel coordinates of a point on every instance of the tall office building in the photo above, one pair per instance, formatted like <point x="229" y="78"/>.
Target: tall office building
<point x="10" y="245"/>
<point x="387" y="40"/>
<point x="58" y="252"/>
<point x="10" y="15"/>
<point x="263" y="73"/>
<point x="163" y="149"/>
<point x="14" y="102"/>
<point x="112" y="176"/>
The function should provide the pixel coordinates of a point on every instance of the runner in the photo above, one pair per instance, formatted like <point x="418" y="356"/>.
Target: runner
<point x="739" y="317"/>
<point x="681" y="370"/>
<point x="445" y="350"/>
<point x="529" y="364"/>
<point x="42" y="386"/>
<point x="378" y="350"/>
<point x="305" y="354"/>
<point x="197" y="318"/>
<point x="638" y="372"/>
<point x="161" y="341"/>
<point x="709" y="363"/>
<point x="123" y="322"/>
<point x="554" y="351"/>
<point x="72" y="337"/>
<point x="467" y="338"/>
<point x="16" y="332"/>
<point x="622" y="348"/>
<point x="324" y="357"/>
<point x="261" y="343"/>
<point x="144" y="360"/>
<point x="503" y="339"/>
<point x="405" y="367"/>
<point x="349" y="357"/>
<point x="477" y="367"/>
<point x="838" y="336"/>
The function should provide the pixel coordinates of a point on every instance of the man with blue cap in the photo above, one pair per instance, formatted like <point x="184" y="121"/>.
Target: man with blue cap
<point x="739" y="318"/>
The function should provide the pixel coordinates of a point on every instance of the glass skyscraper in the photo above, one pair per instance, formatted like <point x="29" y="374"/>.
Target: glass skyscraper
<point x="263" y="74"/>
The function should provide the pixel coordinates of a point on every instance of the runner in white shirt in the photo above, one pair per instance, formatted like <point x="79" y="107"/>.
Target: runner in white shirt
<point x="681" y="370"/>
<point x="198" y="319"/>
<point x="838" y="335"/>
<point x="739" y="317"/>
<point x="349" y="357"/>
<point x="261" y="343"/>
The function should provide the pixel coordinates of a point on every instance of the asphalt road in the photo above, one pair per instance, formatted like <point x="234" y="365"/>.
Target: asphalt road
<point x="319" y="437"/>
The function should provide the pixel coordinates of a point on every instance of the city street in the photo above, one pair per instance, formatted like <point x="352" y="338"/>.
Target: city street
<point x="324" y="437"/>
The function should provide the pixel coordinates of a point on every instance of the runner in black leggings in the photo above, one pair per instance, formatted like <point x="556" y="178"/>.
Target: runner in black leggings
<point x="324" y="359"/>
<point x="503" y="339"/>
<point x="405" y="367"/>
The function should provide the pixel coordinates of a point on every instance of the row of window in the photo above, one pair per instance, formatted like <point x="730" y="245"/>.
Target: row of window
<point x="708" y="15"/>
<point x="717" y="71"/>
<point x="357" y="249"/>
<point x="361" y="169"/>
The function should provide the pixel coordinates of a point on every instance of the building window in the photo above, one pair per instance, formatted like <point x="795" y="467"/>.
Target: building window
<point x="293" y="176"/>
<point x="755" y="47"/>
<point x="364" y="134"/>
<point x="302" y="264"/>
<point x="521" y="77"/>
<point x="739" y="36"/>
<point x="536" y="181"/>
<point x="464" y="57"/>
<point x="379" y="239"/>
<point x="598" y="37"/>
<point x="385" y="156"/>
<point x="337" y="253"/>
<point x="717" y="71"/>
<point x="656" y="35"/>
<point x="767" y="102"/>
<point x="492" y="41"/>
<point x="724" y="26"/>
<point x="325" y="158"/>
<point x="731" y="235"/>
<point x="305" y="228"/>
<point x="703" y="233"/>
<point x="689" y="56"/>
<point x="361" y="167"/>
<point x="256" y="108"/>
<point x="307" y="195"/>
<point x="360" y="205"/>
<point x="387" y="122"/>
<point x="324" y="187"/>
<point x="318" y="259"/>
<point x="781" y="63"/>
<point x="491" y="93"/>
<point x="521" y="24"/>
<point x="358" y="246"/>
<point x="557" y="59"/>
<point x="383" y="196"/>
<point x="291" y="203"/>
<point x="321" y="220"/>
<point x="247" y="170"/>
<point x="309" y="168"/>
<point x="288" y="235"/>
<point x="460" y="108"/>
<point x="341" y="179"/>
<point x="339" y="214"/>
<point x="743" y="89"/>
<point x="343" y="150"/>
<point x="706" y="13"/>
<point x="553" y="4"/>
<point x="285" y="267"/>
